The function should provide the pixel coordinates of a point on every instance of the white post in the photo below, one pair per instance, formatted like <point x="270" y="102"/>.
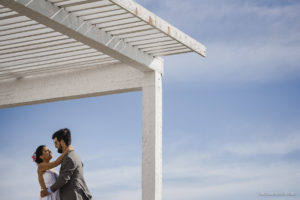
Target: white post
<point x="152" y="137"/>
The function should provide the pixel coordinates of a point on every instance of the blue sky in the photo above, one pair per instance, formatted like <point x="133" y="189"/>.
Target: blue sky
<point x="230" y="121"/>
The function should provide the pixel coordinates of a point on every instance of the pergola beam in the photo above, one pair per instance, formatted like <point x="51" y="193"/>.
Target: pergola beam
<point x="68" y="24"/>
<point x="95" y="81"/>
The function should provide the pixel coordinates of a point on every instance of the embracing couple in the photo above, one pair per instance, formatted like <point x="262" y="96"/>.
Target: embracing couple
<point x="70" y="183"/>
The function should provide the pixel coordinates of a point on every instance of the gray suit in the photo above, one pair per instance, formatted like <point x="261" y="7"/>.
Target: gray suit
<point x="70" y="181"/>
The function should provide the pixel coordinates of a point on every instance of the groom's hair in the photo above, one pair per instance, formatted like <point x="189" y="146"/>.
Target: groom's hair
<point x="63" y="134"/>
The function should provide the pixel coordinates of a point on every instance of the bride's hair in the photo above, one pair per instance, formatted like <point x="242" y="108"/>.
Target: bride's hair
<point x="38" y="153"/>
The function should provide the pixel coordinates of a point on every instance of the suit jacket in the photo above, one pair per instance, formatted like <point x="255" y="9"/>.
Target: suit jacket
<point x="70" y="182"/>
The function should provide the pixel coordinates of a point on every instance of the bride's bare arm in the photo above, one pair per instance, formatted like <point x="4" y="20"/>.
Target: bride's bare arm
<point x="45" y="166"/>
<point x="41" y="180"/>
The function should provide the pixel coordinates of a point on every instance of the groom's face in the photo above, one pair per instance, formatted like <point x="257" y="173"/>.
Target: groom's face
<point x="58" y="145"/>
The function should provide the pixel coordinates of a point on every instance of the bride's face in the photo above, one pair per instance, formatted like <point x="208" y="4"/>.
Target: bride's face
<point x="47" y="154"/>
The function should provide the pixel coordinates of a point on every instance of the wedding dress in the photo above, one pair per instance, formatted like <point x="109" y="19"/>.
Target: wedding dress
<point x="50" y="178"/>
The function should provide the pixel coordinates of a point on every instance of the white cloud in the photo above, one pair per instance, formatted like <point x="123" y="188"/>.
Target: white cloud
<point x="279" y="147"/>
<point x="213" y="179"/>
<point x="246" y="42"/>
<point x="214" y="174"/>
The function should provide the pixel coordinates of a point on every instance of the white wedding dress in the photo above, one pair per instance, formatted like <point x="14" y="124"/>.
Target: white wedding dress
<point x="50" y="178"/>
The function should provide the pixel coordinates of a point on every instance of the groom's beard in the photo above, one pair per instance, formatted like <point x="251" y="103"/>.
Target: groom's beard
<point x="59" y="150"/>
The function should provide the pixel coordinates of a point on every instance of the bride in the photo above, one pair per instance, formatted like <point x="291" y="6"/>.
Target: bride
<point x="47" y="175"/>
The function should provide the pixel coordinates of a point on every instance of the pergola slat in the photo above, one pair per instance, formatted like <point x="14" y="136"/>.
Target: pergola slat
<point x="44" y="47"/>
<point x="22" y="29"/>
<point x="168" y="49"/>
<point x="151" y="40"/>
<point x="26" y="34"/>
<point x="138" y="33"/>
<point x="162" y="47"/>
<point x="50" y="63"/>
<point x="72" y="3"/>
<point x="66" y="64"/>
<point x="130" y="30"/>
<point x="58" y="69"/>
<point x="155" y="44"/>
<point x="172" y="52"/>
<point x="34" y="42"/>
<point x="30" y="38"/>
<point x="55" y="58"/>
<point x="96" y="10"/>
<point x="8" y="14"/>
<point x="118" y="22"/>
<point x="111" y="18"/>
<point x="46" y="52"/>
<point x="13" y="20"/>
<point x="4" y="10"/>
<point x="17" y="25"/>
<point x="124" y="26"/>
<point x="144" y="37"/>
<point x="89" y="5"/>
<point x="103" y="14"/>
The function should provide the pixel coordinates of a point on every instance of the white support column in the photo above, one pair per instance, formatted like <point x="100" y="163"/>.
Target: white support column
<point x="152" y="137"/>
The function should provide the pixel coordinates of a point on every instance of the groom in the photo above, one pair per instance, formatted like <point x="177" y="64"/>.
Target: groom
<point x="70" y="181"/>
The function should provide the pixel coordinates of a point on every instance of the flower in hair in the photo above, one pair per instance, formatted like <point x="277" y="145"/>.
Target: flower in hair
<point x="34" y="157"/>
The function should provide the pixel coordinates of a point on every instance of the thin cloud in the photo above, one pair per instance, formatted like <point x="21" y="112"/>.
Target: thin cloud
<point x="246" y="41"/>
<point x="279" y="147"/>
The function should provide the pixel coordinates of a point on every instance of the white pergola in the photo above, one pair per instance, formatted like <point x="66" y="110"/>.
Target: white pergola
<point x="54" y="50"/>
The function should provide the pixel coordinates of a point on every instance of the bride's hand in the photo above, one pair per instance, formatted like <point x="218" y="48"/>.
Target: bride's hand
<point x="70" y="148"/>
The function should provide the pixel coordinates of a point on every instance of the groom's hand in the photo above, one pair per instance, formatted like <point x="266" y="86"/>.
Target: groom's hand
<point x="44" y="193"/>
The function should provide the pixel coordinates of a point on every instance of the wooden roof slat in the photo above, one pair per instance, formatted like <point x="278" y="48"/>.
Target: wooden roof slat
<point x="43" y="52"/>
<point x="96" y="10"/>
<point x="152" y="40"/>
<point x="27" y="50"/>
<point x="72" y="3"/>
<point x="103" y="14"/>
<point x="17" y="25"/>
<point x="124" y="26"/>
<point x="130" y="30"/>
<point x="4" y="10"/>
<point x="58" y="68"/>
<point x="161" y="47"/>
<point x="155" y="44"/>
<point x="24" y="34"/>
<point x="55" y="57"/>
<point x="22" y="29"/>
<point x="51" y="63"/>
<point x="31" y="38"/>
<point x="111" y="18"/>
<point x="139" y="33"/>
<point x="38" y="47"/>
<point x="13" y="20"/>
<point x="8" y="14"/>
<point x="118" y="22"/>
<point x="144" y="37"/>
<point x="172" y="52"/>
<point x="89" y="5"/>
<point x="167" y="49"/>
<point x="34" y="42"/>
